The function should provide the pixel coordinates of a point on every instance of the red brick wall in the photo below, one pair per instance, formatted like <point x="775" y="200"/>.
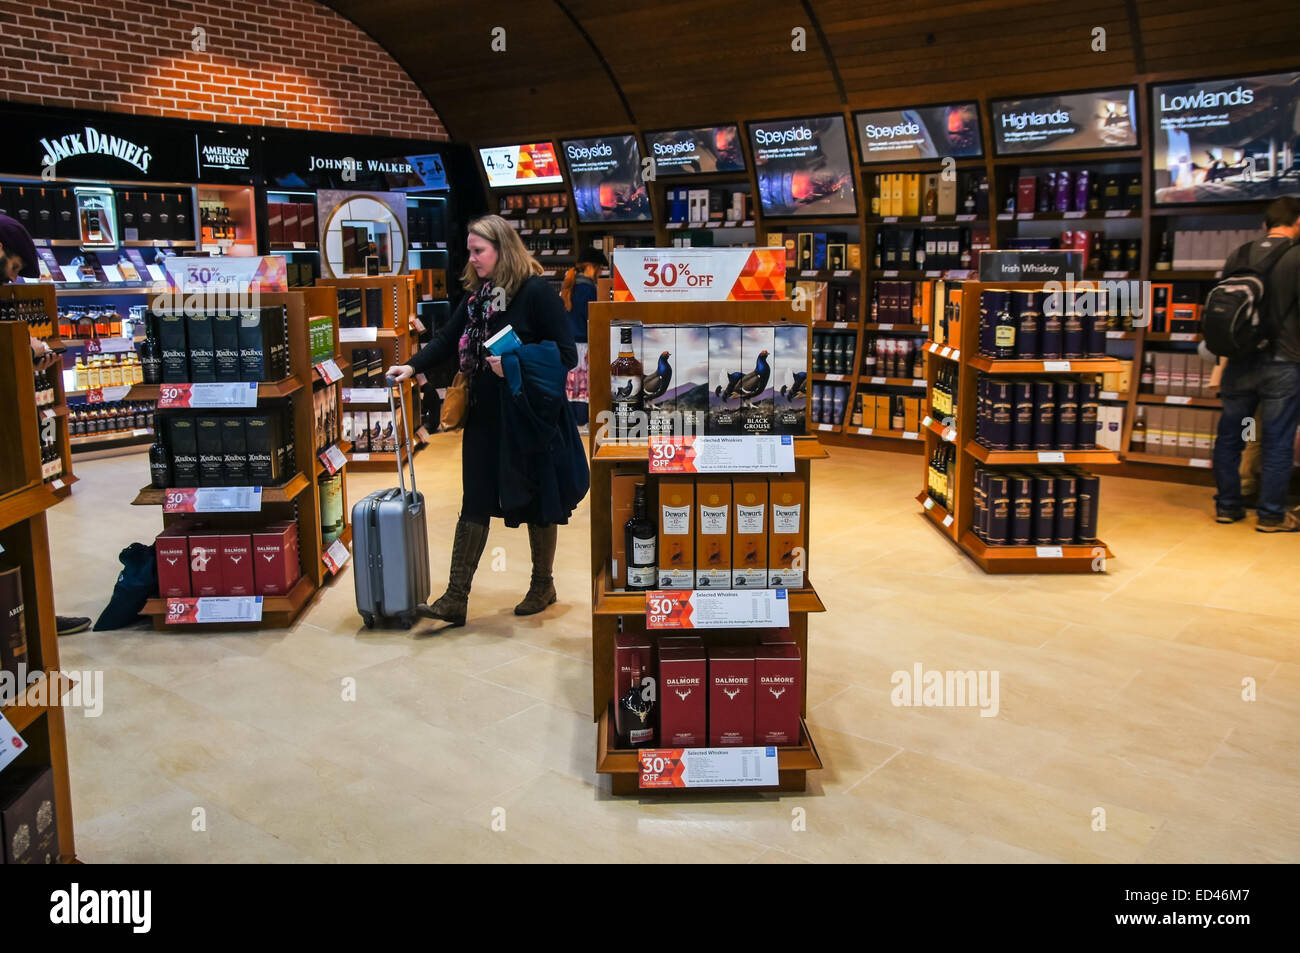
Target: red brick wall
<point x="283" y="63"/>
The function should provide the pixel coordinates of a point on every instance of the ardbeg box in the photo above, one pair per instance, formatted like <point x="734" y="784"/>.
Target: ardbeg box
<point x="225" y="347"/>
<point x="234" y="451"/>
<point x="265" y="455"/>
<point x="263" y="350"/>
<point x="790" y="380"/>
<point x="175" y="353"/>
<point x="755" y="386"/>
<point x="13" y="621"/>
<point x="27" y="817"/>
<point x="203" y="359"/>
<point x="725" y="373"/>
<point x="207" y="429"/>
<point x="182" y="442"/>
<point x="275" y="559"/>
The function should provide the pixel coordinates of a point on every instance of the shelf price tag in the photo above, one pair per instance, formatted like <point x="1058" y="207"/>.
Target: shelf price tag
<point x="911" y="435"/>
<point x="826" y="427"/>
<point x="1177" y="400"/>
<point x="57" y="484"/>
<point x="927" y="421"/>
<point x="840" y="324"/>
<point x="215" y="396"/>
<point x="877" y="380"/>
<point x="929" y="503"/>
<point x="1051" y="456"/>
<point x="1109" y="395"/>
<point x="49" y="412"/>
<point x="335" y="557"/>
<point x="946" y="352"/>
<point x="11" y="743"/>
<point x="334" y="459"/>
<point x="918" y="382"/>
<point x="950" y="435"/>
<point x="360" y="458"/>
<point x="884" y="327"/>
<point x="214" y="609"/>
<point x="1201" y="462"/>
<point x="865" y="431"/>
<point x="358" y="335"/>
<point x="1183" y="336"/>
<point x="722" y="454"/>
<point x="365" y="395"/>
<point x="1117" y="213"/>
<point x="1074" y="214"/>
<point x="708" y="767"/>
<point x="1054" y="367"/>
<point x="213" y="499"/>
<point x="1115" y="335"/>
<point x="1049" y="552"/>
<point x="947" y="521"/>
<point x="842" y="273"/>
<point x="835" y="377"/>
<point x="717" y="609"/>
<point x="329" y="371"/>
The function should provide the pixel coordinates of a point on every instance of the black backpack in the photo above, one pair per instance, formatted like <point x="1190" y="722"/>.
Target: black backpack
<point x="1235" y="321"/>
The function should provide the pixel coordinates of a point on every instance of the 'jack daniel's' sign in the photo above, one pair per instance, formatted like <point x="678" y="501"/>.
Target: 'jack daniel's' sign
<point x="93" y="142"/>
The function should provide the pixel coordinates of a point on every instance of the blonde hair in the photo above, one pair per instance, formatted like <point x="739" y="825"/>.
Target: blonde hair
<point x="515" y="263"/>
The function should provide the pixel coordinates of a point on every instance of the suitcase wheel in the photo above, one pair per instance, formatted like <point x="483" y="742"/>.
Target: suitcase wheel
<point x="369" y="619"/>
<point x="408" y="619"/>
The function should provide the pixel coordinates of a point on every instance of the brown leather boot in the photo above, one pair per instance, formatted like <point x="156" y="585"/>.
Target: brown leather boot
<point x="465" y="552"/>
<point x="541" y="591"/>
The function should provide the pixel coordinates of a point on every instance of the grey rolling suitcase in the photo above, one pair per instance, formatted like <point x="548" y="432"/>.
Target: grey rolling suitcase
<point x="390" y="545"/>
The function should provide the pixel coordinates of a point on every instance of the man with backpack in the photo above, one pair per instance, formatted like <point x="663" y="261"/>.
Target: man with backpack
<point x="1252" y="317"/>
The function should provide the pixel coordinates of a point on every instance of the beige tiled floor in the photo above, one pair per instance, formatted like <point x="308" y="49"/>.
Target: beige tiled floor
<point x="1120" y="692"/>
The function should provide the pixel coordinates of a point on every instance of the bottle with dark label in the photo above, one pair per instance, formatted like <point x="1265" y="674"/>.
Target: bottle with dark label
<point x="625" y="386"/>
<point x="641" y="540"/>
<point x="931" y="201"/>
<point x="1165" y="259"/>
<point x="1094" y="194"/>
<point x="1004" y="334"/>
<point x="160" y="465"/>
<point x="151" y="355"/>
<point x="636" y="713"/>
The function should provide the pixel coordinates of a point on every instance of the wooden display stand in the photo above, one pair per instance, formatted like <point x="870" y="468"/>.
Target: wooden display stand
<point x="25" y="539"/>
<point x="610" y="607"/>
<point x="956" y="525"/>
<point x="58" y="411"/>
<point x="299" y="495"/>
<point x="397" y="338"/>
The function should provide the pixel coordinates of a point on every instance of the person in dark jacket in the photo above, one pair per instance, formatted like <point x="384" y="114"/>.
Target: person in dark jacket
<point x="577" y="291"/>
<point x="505" y="288"/>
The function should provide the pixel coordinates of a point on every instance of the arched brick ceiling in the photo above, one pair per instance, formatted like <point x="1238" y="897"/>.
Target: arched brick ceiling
<point x="594" y="65"/>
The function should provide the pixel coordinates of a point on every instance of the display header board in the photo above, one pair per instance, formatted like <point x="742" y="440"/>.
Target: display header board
<point x="691" y="151"/>
<point x="606" y="177"/>
<point x="699" y="274"/>
<point x="1066" y="122"/>
<point x="532" y="163"/>
<point x="1225" y="140"/>
<point x="1030" y="265"/>
<point x="803" y="166"/>
<point x="920" y="132"/>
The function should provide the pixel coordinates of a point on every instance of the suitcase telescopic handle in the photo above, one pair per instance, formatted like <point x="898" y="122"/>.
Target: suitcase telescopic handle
<point x="405" y="430"/>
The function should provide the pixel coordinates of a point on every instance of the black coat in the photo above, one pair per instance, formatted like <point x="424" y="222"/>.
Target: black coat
<point x="537" y="315"/>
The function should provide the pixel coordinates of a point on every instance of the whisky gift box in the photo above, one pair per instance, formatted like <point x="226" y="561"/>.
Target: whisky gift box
<point x="175" y="351"/>
<point x="28" y="820"/>
<point x="749" y="534"/>
<point x="1044" y="414"/>
<point x="676" y="533"/>
<point x="360" y="431"/>
<point x="263" y="349"/>
<point x="289" y="222"/>
<point x="631" y="665"/>
<point x="725" y="372"/>
<point x="731" y="696"/>
<point x="1067" y="414"/>
<point x="173" y="556"/>
<point x="659" y="383"/>
<point x="1022" y="509"/>
<point x="275" y="223"/>
<point x="691" y="375"/>
<point x="374" y="307"/>
<point x="207" y="431"/>
<point x="307" y="223"/>
<point x="236" y="557"/>
<point x="787" y="541"/>
<point x="1089" y="488"/>
<point x="757" y="345"/>
<point x="998" y="486"/>
<point x="203" y="359"/>
<point x="778" y="673"/>
<point x="683" y="687"/>
<point x="1044" y="509"/>
<point x="205" y="563"/>
<point x="713" y="534"/>
<point x="1089" y="408"/>
<point x="225" y="347"/>
<point x="263" y="440"/>
<point x="275" y="559"/>
<point x="234" y="451"/>
<point x="790" y="376"/>
<point x="13" y="621"/>
<point x="1067" y="501"/>
<point x="1022" y="415"/>
<point x="182" y="443"/>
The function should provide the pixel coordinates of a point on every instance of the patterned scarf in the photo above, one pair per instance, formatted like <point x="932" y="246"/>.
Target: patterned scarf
<point x="471" y="342"/>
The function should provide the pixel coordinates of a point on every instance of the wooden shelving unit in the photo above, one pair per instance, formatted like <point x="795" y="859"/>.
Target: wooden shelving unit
<point x="24" y="536"/>
<point x="955" y="521"/>
<point x="298" y="497"/>
<point x="396" y="338"/>
<point x="57" y="411"/>
<point x="611" y="608"/>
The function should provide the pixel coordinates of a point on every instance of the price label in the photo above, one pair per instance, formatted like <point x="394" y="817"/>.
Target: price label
<point x="911" y="435"/>
<point x="835" y="377"/>
<point x="717" y="608"/>
<point x="213" y="499"/>
<point x="1117" y="213"/>
<point x="877" y="380"/>
<point x="141" y="432"/>
<point x="48" y="413"/>
<point x="950" y="435"/>
<point x="918" y="382"/>
<point x="545" y="231"/>
<point x="1051" y="456"/>
<point x="890" y="218"/>
<point x="1201" y="462"/>
<point x="927" y="421"/>
<point x="956" y="355"/>
<point x="358" y="335"/>
<point x="708" y="767"/>
<point x="1075" y="214"/>
<point x="525" y="231"/>
<point x="533" y="211"/>
<point x="929" y="503"/>
<point x="208" y="609"/>
<point x="826" y="427"/>
<point x="335" y="556"/>
<point x="215" y="396"/>
<point x="1109" y="395"/>
<point x="548" y="251"/>
<point x="1006" y="216"/>
<point x="1053" y="367"/>
<point x="945" y="352"/>
<point x="929" y="218"/>
<point x="329" y="371"/>
<point x="1114" y="274"/>
<point x="299" y="246"/>
<point x="1177" y="400"/>
<point x="57" y="485"/>
<point x="865" y="431"/>
<point x="807" y="274"/>
<point x="840" y="325"/>
<point x="360" y="458"/>
<point x="365" y="395"/>
<point x="713" y="225"/>
<point x="334" y="459"/>
<point x="891" y="273"/>
<point x="947" y="520"/>
<point x="1049" y="552"/>
<point x="11" y="743"/>
<point x="1115" y="335"/>
<point x="1183" y="336"/>
<point x="884" y="327"/>
<point x="1024" y="216"/>
<point x="842" y="273"/>
<point x="964" y="217"/>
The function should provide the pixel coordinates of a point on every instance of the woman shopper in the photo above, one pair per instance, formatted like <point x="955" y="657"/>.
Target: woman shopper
<point x="505" y="288"/>
<point x="578" y="291"/>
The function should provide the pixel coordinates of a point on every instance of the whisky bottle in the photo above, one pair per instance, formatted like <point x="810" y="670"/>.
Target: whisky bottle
<point x="1165" y="259"/>
<point x="1004" y="335"/>
<point x="150" y="355"/>
<point x="160" y="465"/>
<point x="636" y="714"/>
<point x="625" y="386"/>
<point x="931" y="202"/>
<point x="1147" y="383"/>
<point x="641" y="540"/>
<point x="1138" y="439"/>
